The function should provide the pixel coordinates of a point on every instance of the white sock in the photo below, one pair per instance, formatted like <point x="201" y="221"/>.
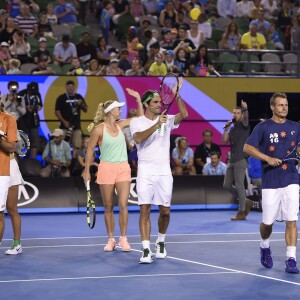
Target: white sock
<point x="265" y="243"/>
<point x="161" y="237"/>
<point x="146" y="244"/>
<point x="291" y="252"/>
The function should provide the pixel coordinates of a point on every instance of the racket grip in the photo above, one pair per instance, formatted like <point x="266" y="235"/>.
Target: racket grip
<point x="162" y="129"/>
<point x="88" y="185"/>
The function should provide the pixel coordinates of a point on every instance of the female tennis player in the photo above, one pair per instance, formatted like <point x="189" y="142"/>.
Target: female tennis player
<point x="114" y="170"/>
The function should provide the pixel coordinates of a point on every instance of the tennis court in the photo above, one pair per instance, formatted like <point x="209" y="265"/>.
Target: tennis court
<point x="209" y="257"/>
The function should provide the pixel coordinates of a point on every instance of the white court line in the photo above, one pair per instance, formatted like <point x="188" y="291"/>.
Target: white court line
<point x="94" y="245"/>
<point x="137" y="235"/>
<point x="108" y="277"/>
<point x="228" y="269"/>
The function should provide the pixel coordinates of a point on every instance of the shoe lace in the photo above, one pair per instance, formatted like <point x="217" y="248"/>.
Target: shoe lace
<point x="291" y="263"/>
<point x="161" y="247"/>
<point x="267" y="254"/>
<point x="146" y="252"/>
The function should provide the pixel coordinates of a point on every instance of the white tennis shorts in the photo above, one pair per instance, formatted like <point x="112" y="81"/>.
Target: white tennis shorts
<point x="155" y="189"/>
<point x="280" y="204"/>
<point x="15" y="174"/>
<point x="4" y="186"/>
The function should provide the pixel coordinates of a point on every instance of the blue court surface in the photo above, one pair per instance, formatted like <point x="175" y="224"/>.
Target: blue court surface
<point x="209" y="257"/>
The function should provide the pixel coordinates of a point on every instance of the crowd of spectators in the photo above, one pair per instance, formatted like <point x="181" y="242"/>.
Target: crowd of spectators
<point x="154" y="37"/>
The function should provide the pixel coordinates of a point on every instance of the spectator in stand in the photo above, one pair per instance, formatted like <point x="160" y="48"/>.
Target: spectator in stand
<point x="14" y="8"/>
<point x="284" y="16"/>
<point x="113" y="69"/>
<point x="2" y="67"/>
<point x="181" y="20"/>
<point x="169" y="12"/>
<point x="33" y="102"/>
<point x="51" y="16"/>
<point x="26" y="21"/>
<point x="204" y="26"/>
<point x="42" y="51"/>
<point x="57" y="155"/>
<point x="80" y="159"/>
<point x="4" y="53"/>
<point x="203" y="151"/>
<point x="200" y="64"/>
<point x="137" y="10"/>
<point x="215" y="166"/>
<point x="3" y="18"/>
<point x="105" y="19"/>
<point x="244" y="8"/>
<point x="65" y="12"/>
<point x="121" y="8"/>
<point x="133" y="46"/>
<point x="274" y="38"/>
<point x="158" y="67"/>
<point x="124" y="63"/>
<point x="44" y="27"/>
<point x="167" y="42"/>
<point x="151" y="7"/>
<point x="295" y="26"/>
<point x="20" y="48"/>
<point x="14" y="67"/>
<point x="184" y="41"/>
<point x="255" y="9"/>
<point x="231" y="38"/>
<point x="262" y="24"/>
<point x="145" y="24"/>
<point x="103" y="53"/>
<point x="82" y="8"/>
<point x="42" y="67"/>
<point x="182" y="62"/>
<point x="136" y="69"/>
<point x="68" y="109"/>
<point x="226" y="8"/>
<point x="183" y="158"/>
<point x="33" y="7"/>
<point x="86" y="51"/>
<point x="94" y="68"/>
<point x="211" y="12"/>
<point x="77" y="69"/>
<point x="169" y="60"/>
<point x="195" y="35"/>
<point x="252" y="39"/>
<point x="8" y="32"/>
<point x="64" y="51"/>
<point x="270" y="8"/>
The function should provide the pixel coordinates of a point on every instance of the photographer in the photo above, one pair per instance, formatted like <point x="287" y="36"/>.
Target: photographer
<point x="13" y="103"/>
<point x="67" y="109"/>
<point x="57" y="155"/>
<point x="33" y="102"/>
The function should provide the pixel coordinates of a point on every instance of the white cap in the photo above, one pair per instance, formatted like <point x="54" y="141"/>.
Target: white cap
<point x="57" y="132"/>
<point x="4" y="44"/>
<point x="113" y="105"/>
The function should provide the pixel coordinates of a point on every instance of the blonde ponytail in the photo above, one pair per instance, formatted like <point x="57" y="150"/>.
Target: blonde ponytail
<point x="100" y="115"/>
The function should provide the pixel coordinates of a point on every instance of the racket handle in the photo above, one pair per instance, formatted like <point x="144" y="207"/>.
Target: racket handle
<point x="162" y="129"/>
<point x="88" y="185"/>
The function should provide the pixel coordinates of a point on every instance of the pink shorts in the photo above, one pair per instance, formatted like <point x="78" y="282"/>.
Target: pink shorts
<point x="110" y="173"/>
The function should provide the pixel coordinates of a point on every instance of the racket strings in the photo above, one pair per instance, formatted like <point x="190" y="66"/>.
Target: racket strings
<point x="169" y="89"/>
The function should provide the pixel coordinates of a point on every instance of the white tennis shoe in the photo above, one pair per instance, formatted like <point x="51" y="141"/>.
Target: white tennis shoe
<point x="146" y="257"/>
<point x="15" y="250"/>
<point x="160" y="248"/>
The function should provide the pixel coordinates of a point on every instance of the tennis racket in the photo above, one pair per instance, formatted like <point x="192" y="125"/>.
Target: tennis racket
<point x="23" y="143"/>
<point x="90" y="207"/>
<point x="293" y="154"/>
<point x="168" y="88"/>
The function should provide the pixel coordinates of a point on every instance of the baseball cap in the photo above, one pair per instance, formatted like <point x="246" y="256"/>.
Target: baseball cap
<point x="43" y="57"/>
<point x="57" y="132"/>
<point x="113" y="105"/>
<point x="114" y="60"/>
<point x="42" y="39"/>
<point x="3" y="11"/>
<point x="65" y="38"/>
<point x="4" y="44"/>
<point x="169" y="52"/>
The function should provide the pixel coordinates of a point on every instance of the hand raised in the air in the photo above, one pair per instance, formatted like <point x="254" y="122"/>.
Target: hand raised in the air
<point x="134" y="94"/>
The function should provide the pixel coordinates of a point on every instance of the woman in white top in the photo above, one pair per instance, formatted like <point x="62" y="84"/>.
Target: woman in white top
<point x="231" y="38"/>
<point x="269" y="6"/>
<point x="244" y="8"/>
<point x="195" y="35"/>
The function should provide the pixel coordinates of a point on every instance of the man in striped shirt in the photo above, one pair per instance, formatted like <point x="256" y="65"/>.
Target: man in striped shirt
<point x="26" y="22"/>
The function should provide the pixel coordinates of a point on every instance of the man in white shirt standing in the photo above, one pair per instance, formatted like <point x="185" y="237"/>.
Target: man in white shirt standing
<point x="154" y="180"/>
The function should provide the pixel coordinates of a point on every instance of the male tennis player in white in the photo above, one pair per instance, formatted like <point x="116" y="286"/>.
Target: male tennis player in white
<point x="154" y="180"/>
